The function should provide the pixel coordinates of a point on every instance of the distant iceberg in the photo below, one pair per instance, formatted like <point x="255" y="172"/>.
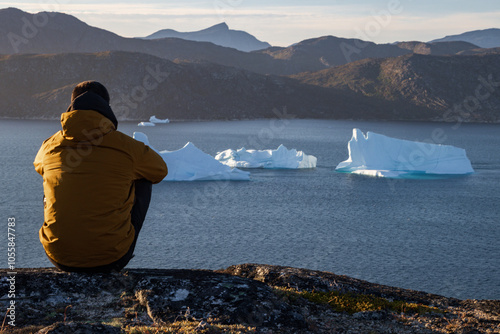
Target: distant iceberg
<point x="146" y="124"/>
<point x="191" y="164"/>
<point x="382" y="156"/>
<point x="155" y="120"/>
<point x="279" y="158"/>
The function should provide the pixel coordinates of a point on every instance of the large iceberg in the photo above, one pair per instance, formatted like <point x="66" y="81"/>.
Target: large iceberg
<point x="191" y="164"/>
<point x="279" y="158"/>
<point x="382" y="156"/>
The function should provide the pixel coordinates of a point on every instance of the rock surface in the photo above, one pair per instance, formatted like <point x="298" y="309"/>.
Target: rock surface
<point x="240" y="299"/>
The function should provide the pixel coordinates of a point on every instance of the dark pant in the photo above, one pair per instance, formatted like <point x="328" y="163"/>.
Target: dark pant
<point x="143" y="190"/>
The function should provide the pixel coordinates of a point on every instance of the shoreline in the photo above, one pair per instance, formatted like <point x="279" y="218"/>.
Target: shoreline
<point x="56" y="119"/>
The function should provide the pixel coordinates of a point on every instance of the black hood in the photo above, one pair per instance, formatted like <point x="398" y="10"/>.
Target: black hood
<point x="91" y="101"/>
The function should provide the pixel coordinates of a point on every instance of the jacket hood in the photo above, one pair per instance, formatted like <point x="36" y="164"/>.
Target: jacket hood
<point x="91" y="101"/>
<point x="85" y="126"/>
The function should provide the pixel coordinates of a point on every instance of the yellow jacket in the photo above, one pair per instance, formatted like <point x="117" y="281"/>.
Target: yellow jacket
<point x="88" y="172"/>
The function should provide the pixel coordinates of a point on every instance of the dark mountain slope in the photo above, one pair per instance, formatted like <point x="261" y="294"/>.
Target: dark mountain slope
<point x="39" y="86"/>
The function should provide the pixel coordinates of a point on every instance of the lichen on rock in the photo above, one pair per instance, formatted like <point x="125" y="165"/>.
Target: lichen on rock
<point x="240" y="299"/>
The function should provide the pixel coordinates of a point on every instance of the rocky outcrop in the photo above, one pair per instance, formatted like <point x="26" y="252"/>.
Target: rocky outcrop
<point x="240" y="299"/>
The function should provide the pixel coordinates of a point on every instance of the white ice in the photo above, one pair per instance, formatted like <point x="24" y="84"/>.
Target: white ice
<point x="382" y="156"/>
<point x="279" y="158"/>
<point x="139" y="136"/>
<point x="192" y="164"/>
<point x="146" y="124"/>
<point x="155" y="120"/>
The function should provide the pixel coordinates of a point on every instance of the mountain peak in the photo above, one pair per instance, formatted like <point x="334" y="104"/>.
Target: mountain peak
<point x="11" y="11"/>
<point x="219" y="34"/>
<point x="218" y="27"/>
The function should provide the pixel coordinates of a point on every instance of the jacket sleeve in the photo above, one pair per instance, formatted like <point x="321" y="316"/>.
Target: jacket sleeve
<point x="38" y="163"/>
<point x="46" y="145"/>
<point x="150" y="165"/>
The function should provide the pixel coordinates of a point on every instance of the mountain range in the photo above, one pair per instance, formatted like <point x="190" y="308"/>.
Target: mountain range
<point x="325" y="77"/>
<point x="141" y="85"/>
<point x="488" y="38"/>
<point x="21" y="32"/>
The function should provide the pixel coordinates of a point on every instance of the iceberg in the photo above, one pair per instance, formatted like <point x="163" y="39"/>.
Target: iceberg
<point x="142" y="137"/>
<point x="382" y="156"/>
<point x="155" y="120"/>
<point x="279" y="158"/>
<point x="192" y="164"/>
<point x="146" y="124"/>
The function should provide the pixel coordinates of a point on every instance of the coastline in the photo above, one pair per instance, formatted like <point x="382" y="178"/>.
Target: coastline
<point x="185" y="120"/>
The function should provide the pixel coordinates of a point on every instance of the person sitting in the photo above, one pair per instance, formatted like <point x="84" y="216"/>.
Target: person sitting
<point x="97" y="185"/>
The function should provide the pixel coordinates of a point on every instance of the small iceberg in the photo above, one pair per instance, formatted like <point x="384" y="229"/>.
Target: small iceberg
<point x="146" y="124"/>
<point x="382" y="156"/>
<point x="155" y="120"/>
<point x="279" y="158"/>
<point x="192" y="164"/>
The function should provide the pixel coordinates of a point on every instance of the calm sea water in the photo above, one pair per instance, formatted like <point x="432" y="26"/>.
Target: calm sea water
<point x="441" y="236"/>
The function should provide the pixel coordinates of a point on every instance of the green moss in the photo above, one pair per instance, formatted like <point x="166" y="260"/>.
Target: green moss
<point x="188" y="326"/>
<point x="22" y="330"/>
<point x="353" y="303"/>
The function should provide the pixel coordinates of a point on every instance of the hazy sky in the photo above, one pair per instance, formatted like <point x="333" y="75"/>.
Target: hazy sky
<point x="281" y="22"/>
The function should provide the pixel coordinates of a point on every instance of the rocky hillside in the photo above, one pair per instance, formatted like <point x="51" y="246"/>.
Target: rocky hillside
<point x="437" y="49"/>
<point x="409" y="87"/>
<point x="246" y="298"/>
<point x="319" y="53"/>
<point x="325" y="52"/>
<point x="463" y="88"/>
<point x="219" y="34"/>
<point x="39" y="86"/>
<point x="480" y="51"/>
